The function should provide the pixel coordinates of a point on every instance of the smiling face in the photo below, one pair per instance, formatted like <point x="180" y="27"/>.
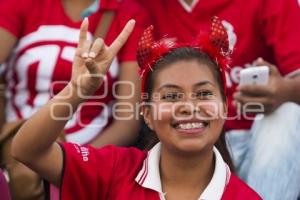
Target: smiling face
<point x="186" y="106"/>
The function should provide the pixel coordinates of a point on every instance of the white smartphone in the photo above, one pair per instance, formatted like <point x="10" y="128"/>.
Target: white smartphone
<point x="254" y="76"/>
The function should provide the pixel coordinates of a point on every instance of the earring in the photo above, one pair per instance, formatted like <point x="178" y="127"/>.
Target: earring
<point x="141" y="113"/>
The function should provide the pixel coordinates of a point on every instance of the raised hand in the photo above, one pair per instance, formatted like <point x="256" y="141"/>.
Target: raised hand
<point x="92" y="60"/>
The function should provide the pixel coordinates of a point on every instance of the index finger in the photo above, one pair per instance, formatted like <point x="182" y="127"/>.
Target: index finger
<point x="262" y="62"/>
<point x="83" y="32"/>
<point x="122" y="38"/>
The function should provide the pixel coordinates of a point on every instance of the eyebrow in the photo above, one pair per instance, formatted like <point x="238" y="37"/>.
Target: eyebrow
<point x="204" y="83"/>
<point x="201" y="83"/>
<point x="168" y="86"/>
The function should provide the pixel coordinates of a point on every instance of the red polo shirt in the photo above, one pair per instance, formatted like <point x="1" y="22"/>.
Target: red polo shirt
<point x="116" y="173"/>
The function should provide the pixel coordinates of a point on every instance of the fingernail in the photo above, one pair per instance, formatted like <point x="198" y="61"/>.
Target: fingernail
<point x="85" y="21"/>
<point x="85" y="55"/>
<point x="260" y="59"/>
<point x="92" y="55"/>
<point x="132" y="21"/>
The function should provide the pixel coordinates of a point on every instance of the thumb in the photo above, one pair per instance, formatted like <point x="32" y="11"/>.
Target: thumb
<point x="261" y="62"/>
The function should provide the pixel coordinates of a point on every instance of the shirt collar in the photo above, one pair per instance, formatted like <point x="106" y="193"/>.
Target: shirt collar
<point x="221" y="176"/>
<point x="91" y="9"/>
<point x="187" y="7"/>
<point x="149" y="176"/>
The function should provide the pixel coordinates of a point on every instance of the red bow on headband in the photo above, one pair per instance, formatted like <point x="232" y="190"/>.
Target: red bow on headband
<point x="214" y="43"/>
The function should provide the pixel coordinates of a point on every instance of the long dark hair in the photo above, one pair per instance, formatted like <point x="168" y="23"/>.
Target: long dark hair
<point x="148" y="138"/>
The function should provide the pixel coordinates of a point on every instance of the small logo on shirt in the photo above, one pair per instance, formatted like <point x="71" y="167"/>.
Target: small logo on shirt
<point x="84" y="151"/>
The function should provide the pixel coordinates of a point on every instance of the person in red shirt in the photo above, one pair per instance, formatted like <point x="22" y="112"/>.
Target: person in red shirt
<point x="29" y="28"/>
<point x="185" y="109"/>
<point x="259" y="28"/>
<point x="38" y="40"/>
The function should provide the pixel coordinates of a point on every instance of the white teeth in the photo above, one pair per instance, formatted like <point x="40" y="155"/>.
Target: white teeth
<point x="191" y="125"/>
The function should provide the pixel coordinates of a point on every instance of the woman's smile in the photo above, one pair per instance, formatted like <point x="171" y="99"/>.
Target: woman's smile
<point x="193" y="127"/>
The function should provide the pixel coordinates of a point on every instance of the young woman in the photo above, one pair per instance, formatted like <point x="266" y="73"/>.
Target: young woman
<point x="185" y="108"/>
<point x="260" y="28"/>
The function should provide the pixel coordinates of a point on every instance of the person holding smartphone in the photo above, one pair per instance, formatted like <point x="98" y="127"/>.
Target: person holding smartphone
<point x="261" y="32"/>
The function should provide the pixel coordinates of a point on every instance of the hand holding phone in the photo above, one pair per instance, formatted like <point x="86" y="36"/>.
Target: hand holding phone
<point x="254" y="76"/>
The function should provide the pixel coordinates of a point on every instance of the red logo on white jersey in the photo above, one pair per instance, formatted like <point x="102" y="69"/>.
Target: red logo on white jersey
<point x="41" y="60"/>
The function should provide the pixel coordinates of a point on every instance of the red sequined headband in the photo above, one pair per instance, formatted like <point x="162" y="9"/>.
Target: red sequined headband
<point x="214" y="43"/>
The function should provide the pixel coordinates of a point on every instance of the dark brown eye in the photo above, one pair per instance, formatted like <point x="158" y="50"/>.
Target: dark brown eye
<point x="205" y="94"/>
<point x="173" y="96"/>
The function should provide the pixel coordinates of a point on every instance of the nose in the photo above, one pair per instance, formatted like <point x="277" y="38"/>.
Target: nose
<point x="188" y="107"/>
